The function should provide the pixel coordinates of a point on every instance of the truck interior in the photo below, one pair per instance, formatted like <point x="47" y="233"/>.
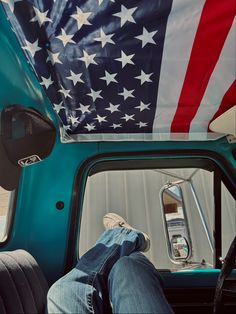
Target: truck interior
<point x="137" y="122"/>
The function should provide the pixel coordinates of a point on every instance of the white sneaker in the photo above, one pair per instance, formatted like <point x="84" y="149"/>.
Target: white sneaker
<point x="112" y="220"/>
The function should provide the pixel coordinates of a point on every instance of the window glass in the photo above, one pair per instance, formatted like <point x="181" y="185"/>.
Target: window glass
<point x="201" y="223"/>
<point x="4" y="208"/>
<point x="136" y="195"/>
<point x="228" y="219"/>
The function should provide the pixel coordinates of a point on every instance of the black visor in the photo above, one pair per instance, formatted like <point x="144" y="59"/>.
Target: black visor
<point x="27" y="137"/>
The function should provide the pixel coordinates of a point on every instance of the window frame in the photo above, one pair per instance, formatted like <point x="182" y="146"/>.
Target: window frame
<point x="207" y="160"/>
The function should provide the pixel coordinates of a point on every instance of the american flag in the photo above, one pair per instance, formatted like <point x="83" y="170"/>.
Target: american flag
<point x="121" y="69"/>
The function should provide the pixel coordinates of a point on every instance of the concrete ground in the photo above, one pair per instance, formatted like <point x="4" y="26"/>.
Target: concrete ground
<point x="4" y="199"/>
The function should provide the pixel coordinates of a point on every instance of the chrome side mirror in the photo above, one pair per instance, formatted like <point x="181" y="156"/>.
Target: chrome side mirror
<point x="176" y="224"/>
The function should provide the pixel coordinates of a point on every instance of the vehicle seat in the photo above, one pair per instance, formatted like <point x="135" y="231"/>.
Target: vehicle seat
<point x="23" y="287"/>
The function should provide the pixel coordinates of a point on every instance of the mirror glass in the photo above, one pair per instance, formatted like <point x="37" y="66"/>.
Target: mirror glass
<point x="176" y="225"/>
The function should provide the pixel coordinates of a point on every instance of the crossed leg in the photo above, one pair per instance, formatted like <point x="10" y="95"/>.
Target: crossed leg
<point x="111" y="272"/>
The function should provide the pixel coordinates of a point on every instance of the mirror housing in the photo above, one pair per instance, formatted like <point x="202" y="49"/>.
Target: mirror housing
<point x="175" y="223"/>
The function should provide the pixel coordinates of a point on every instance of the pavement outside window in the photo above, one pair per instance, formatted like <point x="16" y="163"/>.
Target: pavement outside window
<point x="4" y="205"/>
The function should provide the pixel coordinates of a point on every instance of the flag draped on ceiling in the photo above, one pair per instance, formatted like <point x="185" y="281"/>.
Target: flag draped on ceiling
<point x="120" y="70"/>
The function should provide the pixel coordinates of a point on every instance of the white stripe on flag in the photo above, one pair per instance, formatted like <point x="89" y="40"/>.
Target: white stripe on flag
<point x="220" y="81"/>
<point x="180" y="33"/>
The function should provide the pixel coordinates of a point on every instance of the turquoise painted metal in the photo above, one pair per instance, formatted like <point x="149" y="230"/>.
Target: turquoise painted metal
<point x="191" y="278"/>
<point x="18" y="82"/>
<point x="38" y="226"/>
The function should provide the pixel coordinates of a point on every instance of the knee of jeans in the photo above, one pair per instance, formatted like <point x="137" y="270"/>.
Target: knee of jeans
<point x="124" y="265"/>
<point x="53" y="292"/>
<point x="132" y="266"/>
<point x="120" y="272"/>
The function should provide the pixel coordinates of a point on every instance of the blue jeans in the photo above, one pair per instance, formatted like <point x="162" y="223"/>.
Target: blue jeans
<point x="112" y="277"/>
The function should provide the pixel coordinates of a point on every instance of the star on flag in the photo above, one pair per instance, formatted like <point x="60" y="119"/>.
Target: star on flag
<point x="143" y="106"/>
<point x="81" y="18"/>
<point x="125" y="15"/>
<point x="100" y="119"/>
<point x="75" y="78"/>
<point x="104" y="39"/>
<point x="141" y="124"/>
<point x="147" y="37"/>
<point x="144" y="77"/>
<point x="73" y="120"/>
<point x="127" y="93"/>
<point x="88" y="58"/>
<point x="32" y="48"/>
<point x="95" y="94"/>
<point x="112" y="108"/>
<point x="40" y="17"/>
<point x="65" y="92"/>
<point x="58" y="107"/>
<point x="46" y="81"/>
<point x="128" y="117"/>
<point x="65" y="38"/>
<point x="83" y="108"/>
<point x="109" y="78"/>
<point x="125" y="59"/>
<point x="116" y="126"/>
<point x="54" y="57"/>
<point x="90" y="127"/>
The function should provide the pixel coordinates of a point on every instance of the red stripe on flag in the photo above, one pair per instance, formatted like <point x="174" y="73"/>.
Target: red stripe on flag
<point x="215" y="22"/>
<point x="228" y="101"/>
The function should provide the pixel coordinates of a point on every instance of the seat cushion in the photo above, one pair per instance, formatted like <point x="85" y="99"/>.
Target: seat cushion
<point x="23" y="287"/>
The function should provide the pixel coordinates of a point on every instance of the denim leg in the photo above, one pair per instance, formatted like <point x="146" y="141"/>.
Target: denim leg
<point x="71" y="294"/>
<point x="84" y="289"/>
<point x="135" y="286"/>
